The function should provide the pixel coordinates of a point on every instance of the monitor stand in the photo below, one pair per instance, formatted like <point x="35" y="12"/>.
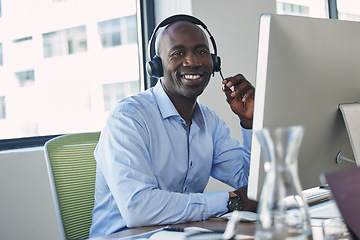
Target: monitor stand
<point x="351" y="115"/>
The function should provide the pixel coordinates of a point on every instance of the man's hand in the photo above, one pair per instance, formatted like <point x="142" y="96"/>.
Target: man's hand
<point x="247" y="204"/>
<point x="240" y="95"/>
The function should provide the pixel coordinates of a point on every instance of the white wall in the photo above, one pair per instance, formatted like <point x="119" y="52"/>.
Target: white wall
<point x="26" y="208"/>
<point x="234" y="25"/>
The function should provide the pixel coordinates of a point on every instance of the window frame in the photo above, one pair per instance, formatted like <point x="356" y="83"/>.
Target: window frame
<point x="333" y="11"/>
<point x="145" y="25"/>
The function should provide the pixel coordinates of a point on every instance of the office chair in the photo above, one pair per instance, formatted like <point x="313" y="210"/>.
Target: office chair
<point x="71" y="168"/>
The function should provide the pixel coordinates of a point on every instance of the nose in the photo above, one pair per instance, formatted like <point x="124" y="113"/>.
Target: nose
<point x="192" y="60"/>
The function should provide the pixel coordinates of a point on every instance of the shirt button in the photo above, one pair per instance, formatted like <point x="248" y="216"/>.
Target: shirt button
<point x="191" y="163"/>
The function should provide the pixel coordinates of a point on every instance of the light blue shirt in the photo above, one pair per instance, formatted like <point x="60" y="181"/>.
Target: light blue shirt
<point x="152" y="168"/>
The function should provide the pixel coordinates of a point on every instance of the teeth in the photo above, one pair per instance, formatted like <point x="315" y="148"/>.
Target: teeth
<point x="192" y="76"/>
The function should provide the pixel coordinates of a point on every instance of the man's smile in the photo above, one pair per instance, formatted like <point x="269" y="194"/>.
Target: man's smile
<point x="191" y="76"/>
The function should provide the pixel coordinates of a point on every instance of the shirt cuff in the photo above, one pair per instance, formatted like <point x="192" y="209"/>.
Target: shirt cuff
<point x="216" y="203"/>
<point x="247" y="137"/>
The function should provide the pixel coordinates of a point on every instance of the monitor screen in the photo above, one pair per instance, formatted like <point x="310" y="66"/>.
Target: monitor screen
<point x="306" y="67"/>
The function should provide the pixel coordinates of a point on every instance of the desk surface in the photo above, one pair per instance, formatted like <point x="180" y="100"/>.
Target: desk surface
<point x="244" y="228"/>
<point x="215" y="224"/>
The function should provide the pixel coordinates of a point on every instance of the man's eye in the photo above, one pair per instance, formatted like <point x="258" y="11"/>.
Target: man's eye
<point x="202" y="52"/>
<point x="177" y="54"/>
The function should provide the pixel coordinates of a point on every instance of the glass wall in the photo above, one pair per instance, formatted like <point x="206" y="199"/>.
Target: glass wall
<point x="64" y="64"/>
<point x="345" y="9"/>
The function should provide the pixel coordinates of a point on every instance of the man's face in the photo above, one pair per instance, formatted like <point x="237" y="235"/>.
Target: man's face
<point x="186" y="60"/>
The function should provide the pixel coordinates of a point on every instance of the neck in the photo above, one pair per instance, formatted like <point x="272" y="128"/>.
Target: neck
<point x="185" y="110"/>
<point x="184" y="106"/>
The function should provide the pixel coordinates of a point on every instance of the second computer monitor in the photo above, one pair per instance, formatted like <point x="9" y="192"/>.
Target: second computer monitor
<point x="306" y="67"/>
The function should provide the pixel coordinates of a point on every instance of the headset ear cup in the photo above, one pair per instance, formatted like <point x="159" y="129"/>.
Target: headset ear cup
<point x="216" y="63"/>
<point x="154" y="67"/>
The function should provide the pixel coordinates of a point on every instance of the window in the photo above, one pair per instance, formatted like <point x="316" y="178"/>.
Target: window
<point x="294" y="9"/>
<point x="312" y="8"/>
<point x="63" y="74"/>
<point x="113" y="92"/>
<point x="25" y="78"/>
<point x="110" y="33"/>
<point x="2" y="107"/>
<point x="63" y="42"/>
<point x="118" y="31"/>
<point x="131" y="30"/>
<point x="1" y="55"/>
<point x="23" y="39"/>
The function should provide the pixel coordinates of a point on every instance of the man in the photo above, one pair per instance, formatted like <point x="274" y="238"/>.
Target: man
<point x="159" y="148"/>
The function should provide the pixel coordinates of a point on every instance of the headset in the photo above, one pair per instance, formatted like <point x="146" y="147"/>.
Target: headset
<point x="154" y="67"/>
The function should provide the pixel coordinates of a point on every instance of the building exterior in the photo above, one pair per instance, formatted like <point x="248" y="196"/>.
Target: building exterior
<point x="64" y="64"/>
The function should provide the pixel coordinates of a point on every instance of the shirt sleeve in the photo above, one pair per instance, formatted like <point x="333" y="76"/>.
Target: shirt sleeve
<point x="124" y="160"/>
<point x="231" y="162"/>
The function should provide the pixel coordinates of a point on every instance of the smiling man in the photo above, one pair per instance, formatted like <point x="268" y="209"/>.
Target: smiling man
<point x="159" y="148"/>
<point x="187" y="65"/>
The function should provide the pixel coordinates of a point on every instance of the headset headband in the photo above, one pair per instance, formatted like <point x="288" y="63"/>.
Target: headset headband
<point x="175" y="18"/>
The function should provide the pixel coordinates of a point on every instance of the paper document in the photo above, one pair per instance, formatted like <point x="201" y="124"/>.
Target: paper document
<point x="177" y="235"/>
<point x="324" y="210"/>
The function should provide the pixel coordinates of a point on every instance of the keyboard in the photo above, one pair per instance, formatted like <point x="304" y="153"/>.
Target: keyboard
<point x="316" y="195"/>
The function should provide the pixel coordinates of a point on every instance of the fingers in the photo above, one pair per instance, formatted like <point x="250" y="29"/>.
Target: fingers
<point x="248" y="94"/>
<point x="228" y="92"/>
<point x="240" y="96"/>
<point x="238" y="86"/>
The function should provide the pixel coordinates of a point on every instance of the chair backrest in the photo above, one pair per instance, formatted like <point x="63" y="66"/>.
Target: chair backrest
<point x="71" y="169"/>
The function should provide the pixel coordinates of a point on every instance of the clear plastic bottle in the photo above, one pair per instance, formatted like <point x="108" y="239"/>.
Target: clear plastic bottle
<point x="282" y="210"/>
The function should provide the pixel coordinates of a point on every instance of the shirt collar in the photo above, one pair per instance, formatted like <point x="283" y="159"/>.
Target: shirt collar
<point x="167" y="109"/>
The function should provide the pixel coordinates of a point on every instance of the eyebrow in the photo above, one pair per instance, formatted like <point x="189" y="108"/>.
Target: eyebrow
<point x="201" y="45"/>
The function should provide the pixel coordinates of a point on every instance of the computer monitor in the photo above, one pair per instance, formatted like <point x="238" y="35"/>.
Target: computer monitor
<point x="306" y="67"/>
